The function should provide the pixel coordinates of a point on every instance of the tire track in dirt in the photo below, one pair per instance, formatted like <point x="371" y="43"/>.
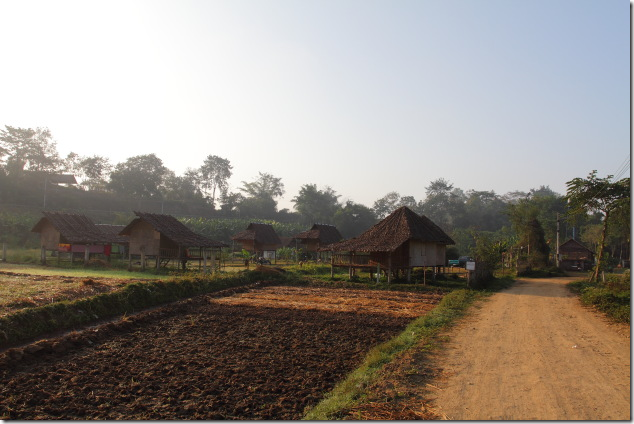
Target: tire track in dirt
<point x="532" y="352"/>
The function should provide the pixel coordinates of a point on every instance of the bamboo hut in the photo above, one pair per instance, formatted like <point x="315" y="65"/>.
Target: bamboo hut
<point x="259" y="240"/>
<point x="74" y="234"/>
<point x="398" y="243"/>
<point x="318" y="236"/>
<point x="164" y="238"/>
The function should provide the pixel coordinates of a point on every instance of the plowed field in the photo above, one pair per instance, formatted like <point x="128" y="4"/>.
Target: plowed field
<point x="265" y="353"/>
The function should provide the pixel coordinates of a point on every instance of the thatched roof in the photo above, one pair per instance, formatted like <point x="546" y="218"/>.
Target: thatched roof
<point x="74" y="228"/>
<point x="260" y="233"/>
<point x="325" y="234"/>
<point x="386" y="236"/>
<point x="173" y="229"/>
<point x="112" y="231"/>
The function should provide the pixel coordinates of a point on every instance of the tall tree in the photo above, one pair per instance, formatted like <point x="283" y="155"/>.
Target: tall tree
<point x="139" y="176"/>
<point x="386" y="205"/>
<point x="594" y="194"/>
<point x="215" y="173"/>
<point x="92" y="171"/>
<point x="353" y="219"/>
<point x="444" y="204"/>
<point x="28" y="149"/>
<point x="261" y="195"/>
<point x="316" y="206"/>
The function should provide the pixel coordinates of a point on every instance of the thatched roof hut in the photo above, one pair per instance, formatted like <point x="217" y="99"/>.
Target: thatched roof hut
<point x="258" y="238"/>
<point x="319" y="235"/>
<point x="74" y="233"/>
<point x="403" y="240"/>
<point x="57" y="228"/>
<point x="164" y="236"/>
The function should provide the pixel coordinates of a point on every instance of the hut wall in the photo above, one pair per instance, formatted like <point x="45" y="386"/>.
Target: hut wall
<point x="310" y="245"/>
<point x="144" y="238"/>
<point x="49" y="237"/>
<point x="426" y="254"/>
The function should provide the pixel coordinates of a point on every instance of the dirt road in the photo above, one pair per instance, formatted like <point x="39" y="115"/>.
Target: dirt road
<point x="532" y="352"/>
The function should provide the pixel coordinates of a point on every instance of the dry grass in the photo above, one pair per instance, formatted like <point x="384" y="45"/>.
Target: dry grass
<point x="19" y="290"/>
<point x="402" y="304"/>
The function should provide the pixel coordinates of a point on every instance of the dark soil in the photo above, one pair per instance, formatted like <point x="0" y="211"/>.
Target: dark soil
<point x="197" y="359"/>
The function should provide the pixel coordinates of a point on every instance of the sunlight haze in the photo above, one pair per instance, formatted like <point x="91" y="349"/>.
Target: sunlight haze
<point x="366" y="97"/>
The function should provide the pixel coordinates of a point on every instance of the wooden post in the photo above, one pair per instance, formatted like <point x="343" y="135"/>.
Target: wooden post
<point x="378" y="272"/>
<point x="142" y="260"/>
<point x="204" y="261"/>
<point x="389" y="268"/>
<point x="86" y="254"/>
<point x="43" y="255"/>
<point x="332" y="266"/>
<point x="4" y="252"/>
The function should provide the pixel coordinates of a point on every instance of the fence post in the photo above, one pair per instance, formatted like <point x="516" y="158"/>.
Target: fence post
<point x="4" y="252"/>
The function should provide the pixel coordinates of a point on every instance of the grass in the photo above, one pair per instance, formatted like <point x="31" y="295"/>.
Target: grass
<point x="611" y="296"/>
<point x="352" y="390"/>
<point x="76" y="271"/>
<point x="31" y="322"/>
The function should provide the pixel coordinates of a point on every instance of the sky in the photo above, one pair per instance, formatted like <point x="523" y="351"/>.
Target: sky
<point x="363" y="96"/>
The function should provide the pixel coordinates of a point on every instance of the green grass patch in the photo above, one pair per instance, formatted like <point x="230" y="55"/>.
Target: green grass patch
<point x="611" y="296"/>
<point x="352" y="390"/>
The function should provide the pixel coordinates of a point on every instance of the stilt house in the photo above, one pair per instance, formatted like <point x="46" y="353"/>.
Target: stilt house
<point x="259" y="239"/>
<point x="75" y="234"/>
<point x="400" y="242"/>
<point x="164" y="238"/>
<point x="318" y="236"/>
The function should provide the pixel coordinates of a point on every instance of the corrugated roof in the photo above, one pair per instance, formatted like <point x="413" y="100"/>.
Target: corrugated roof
<point x="386" y="236"/>
<point x="261" y="233"/>
<point x="326" y="234"/>
<point x="173" y="229"/>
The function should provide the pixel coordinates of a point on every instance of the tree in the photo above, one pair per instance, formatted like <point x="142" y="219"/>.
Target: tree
<point x="316" y="206"/>
<point x="602" y="195"/>
<point x="261" y="194"/>
<point x="230" y="202"/>
<point x="181" y="188"/>
<point x="386" y="205"/>
<point x="92" y="171"/>
<point x="444" y="204"/>
<point x="139" y="176"/>
<point x="214" y="174"/>
<point x="353" y="219"/>
<point x="28" y="149"/>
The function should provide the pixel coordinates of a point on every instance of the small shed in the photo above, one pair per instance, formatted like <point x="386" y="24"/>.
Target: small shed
<point x="574" y="256"/>
<point x="73" y="233"/>
<point x="318" y="236"/>
<point x="400" y="242"/>
<point x="259" y="239"/>
<point x="165" y="238"/>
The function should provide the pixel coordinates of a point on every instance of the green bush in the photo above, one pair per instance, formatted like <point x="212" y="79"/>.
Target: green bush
<point x="611" y="297"/>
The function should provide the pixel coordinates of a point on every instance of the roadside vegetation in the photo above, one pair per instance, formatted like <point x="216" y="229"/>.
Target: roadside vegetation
<point x="610" y="295"/>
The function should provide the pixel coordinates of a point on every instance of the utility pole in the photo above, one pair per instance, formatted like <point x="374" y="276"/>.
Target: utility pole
<point x="557" y="254"/>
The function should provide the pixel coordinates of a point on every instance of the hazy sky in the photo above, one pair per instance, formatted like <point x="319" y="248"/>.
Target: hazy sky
<point x="363" y="96"/>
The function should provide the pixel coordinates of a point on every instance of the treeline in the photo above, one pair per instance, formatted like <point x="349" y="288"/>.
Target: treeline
<point x="108" y="193"/>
